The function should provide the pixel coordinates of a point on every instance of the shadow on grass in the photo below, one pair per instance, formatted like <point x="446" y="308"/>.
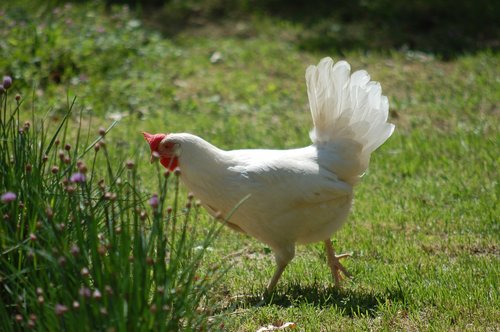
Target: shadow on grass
<point x="447" y="28"/>
<point x="348" y="302"/>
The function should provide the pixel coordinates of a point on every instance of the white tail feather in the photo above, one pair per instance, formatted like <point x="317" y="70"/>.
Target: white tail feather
<point x="347" y="111"/>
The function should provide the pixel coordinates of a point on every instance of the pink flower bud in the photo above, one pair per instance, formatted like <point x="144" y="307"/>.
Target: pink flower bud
<point x="83" y="168"/>
<point x="84" y="292"/>
<point x="61" y="309"/>
<point x="7" y="82"/>
<point x="85" y="272"/>
<point x="74" y="250"/>
<point x="61" y="260"/>
<point x="8" y="197"/>
<point x="153" y="201"/>
<point x="70" y="189"/>
<point x="77" y="178"/>
<point x="97" y="294"/>
<point x="31" y="324"/>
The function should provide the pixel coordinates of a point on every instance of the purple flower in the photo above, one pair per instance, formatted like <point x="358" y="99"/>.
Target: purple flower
<point x="97" y="294"/>
<point x="84" y="292"/>
<point x="9" y="196"/>
<point x="61" y="309"/>
<point x="77" y="177"/>
<point x="153" y="201"/>
<point x="7" y="82"/>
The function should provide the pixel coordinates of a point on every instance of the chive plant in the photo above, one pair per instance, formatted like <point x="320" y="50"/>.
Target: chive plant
<point x="80" y="251"/>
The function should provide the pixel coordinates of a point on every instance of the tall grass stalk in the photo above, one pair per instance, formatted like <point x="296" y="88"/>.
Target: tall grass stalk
<point x="81" y="251"/>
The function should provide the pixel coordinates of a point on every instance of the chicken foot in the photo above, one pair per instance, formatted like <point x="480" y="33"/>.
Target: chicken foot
<point x="336" y="267"/>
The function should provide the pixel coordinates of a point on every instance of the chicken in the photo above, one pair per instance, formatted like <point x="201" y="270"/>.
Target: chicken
<point x="295" y="196"/>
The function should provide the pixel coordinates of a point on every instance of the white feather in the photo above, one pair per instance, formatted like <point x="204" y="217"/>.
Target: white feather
<point x="347" y="110"/>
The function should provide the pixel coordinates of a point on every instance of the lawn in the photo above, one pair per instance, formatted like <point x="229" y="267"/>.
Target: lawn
<point x="424" y="231"/>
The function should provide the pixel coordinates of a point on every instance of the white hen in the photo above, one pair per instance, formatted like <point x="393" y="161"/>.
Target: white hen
<point x="297" y="195"/>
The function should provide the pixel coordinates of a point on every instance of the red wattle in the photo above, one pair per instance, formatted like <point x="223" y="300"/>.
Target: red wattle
<point x="170" y="163"/>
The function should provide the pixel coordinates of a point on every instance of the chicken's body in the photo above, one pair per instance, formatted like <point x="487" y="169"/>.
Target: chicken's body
<point x="292" y="190"/>
<point x="298" y="195"/>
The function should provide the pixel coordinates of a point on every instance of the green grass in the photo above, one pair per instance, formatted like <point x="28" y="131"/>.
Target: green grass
<point x="82" y="250"/>
<point x="424" y="231"/>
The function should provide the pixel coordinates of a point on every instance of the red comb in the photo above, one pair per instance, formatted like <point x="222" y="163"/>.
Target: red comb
<point x="153" y="140"/>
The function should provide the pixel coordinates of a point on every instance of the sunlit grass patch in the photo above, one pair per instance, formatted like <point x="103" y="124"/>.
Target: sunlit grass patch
<point x="424" y="231"/>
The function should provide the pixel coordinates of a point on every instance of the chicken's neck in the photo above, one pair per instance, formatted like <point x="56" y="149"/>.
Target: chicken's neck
<point x="199" y="161"/>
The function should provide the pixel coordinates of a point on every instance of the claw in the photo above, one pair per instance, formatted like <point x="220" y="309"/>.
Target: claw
<point x="336" y="267"/>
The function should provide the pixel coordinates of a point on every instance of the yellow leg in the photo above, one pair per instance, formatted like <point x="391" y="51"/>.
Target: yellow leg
<point x="336" y="267"/>
<point x="277" y="275"/>
<point x="282" y="256"/>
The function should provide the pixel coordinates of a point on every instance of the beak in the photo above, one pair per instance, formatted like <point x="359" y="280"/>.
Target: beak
<point x="154" y="157"/>
<point x="150" y="138"/>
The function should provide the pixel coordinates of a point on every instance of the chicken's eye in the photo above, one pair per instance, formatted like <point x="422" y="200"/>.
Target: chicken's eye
<point x="163" y="148"/>
<point x="166" y="148"/>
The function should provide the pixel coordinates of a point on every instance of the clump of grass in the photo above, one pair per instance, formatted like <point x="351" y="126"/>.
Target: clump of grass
<point x="85" y="250"/>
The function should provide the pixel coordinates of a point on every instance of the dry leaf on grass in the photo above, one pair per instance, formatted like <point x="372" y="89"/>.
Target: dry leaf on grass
<point x="272" y="327"/>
